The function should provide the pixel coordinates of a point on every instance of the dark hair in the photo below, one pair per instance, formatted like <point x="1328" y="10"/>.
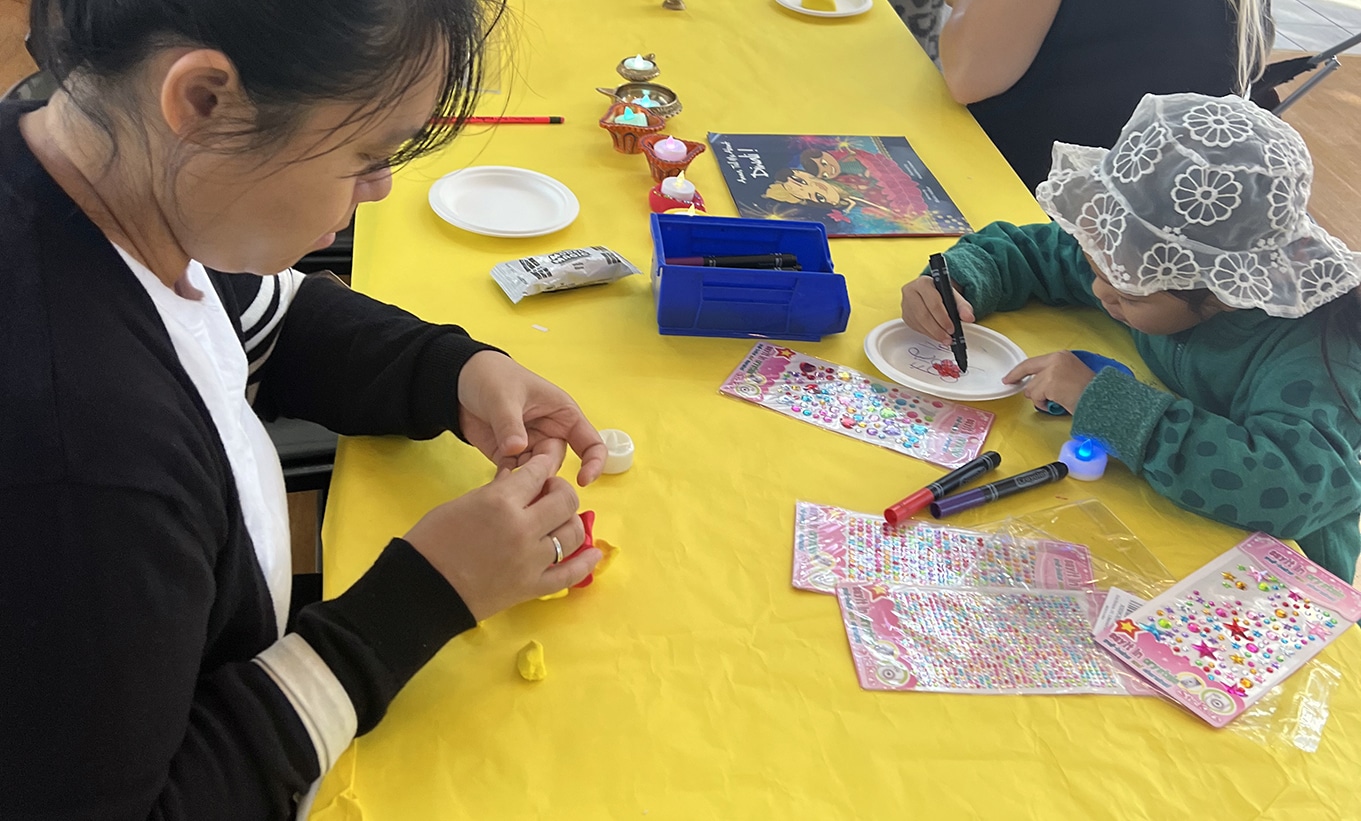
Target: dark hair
<point x="1345" y="310"/>
<point x="1195" y="299"/>
<point x="808" y="159"/>
<point x="288" y="55"/>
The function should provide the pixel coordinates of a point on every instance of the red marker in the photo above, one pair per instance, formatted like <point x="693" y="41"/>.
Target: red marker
<point x="504" y="120"/>
<point x="957" y="478"/>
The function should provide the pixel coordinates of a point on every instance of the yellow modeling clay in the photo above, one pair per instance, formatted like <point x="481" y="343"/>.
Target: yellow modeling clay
<point x="530" y="662"/>
<point x="610" y="552"/>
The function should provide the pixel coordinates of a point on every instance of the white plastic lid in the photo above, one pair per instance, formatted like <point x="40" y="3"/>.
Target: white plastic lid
<point x="620" y="450"/>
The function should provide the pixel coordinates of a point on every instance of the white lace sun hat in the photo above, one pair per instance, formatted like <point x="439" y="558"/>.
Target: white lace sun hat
<point x="1202" y="192"/>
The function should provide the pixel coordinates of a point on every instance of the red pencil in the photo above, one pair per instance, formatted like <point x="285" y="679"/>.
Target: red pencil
<point x="505" y="120"/>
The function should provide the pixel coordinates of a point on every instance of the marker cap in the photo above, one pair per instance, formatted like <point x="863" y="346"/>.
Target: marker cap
<point x="910" y="506"/>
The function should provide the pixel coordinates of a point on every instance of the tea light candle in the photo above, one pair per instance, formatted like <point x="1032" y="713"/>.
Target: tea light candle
<point x="646" y="100"/>
<point x="637" y="63"/>
<point x="631" y="116"/>
<point x="678" y="188"/>
<point x="670" y="150"/>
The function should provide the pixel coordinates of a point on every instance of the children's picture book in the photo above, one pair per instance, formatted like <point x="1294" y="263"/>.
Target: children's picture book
<point x="845" y="401"/>
<point x="855" y="186"/>
<point x="1222" y="638"/>
<point x="976" y="640"/>
<point x="834" y="545"/>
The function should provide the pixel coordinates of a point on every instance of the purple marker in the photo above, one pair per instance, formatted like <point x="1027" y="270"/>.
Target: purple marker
<point x="970" y="499"/>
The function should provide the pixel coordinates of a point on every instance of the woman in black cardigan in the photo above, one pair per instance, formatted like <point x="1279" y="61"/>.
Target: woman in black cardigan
<point x="1034" y="72"/>
<point x="146" y="669"/>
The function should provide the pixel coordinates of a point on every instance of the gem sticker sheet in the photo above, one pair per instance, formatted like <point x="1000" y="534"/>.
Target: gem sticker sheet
<point x="834" y="545"/>
<point x="976" y="640"/>
<point x="1219" y="640"/>
<point x="848" y="402"/>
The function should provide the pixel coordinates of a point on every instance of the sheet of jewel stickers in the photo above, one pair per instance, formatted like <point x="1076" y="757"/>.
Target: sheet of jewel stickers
<point x="1219" y="640"/>
<point x="848" y="402"/>
<point x="944" y="609"/>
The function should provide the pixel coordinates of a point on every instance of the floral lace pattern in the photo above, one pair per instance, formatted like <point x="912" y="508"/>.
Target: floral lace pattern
<point x="1202" y="192"/>
<point x="1206" y="195"/>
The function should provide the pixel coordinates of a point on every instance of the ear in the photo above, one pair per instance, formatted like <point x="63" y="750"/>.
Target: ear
<point x="200" y="88"/>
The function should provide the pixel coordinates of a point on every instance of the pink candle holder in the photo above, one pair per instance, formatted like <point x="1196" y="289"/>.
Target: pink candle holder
<point x="661" y="169"/>
<point x="626" y="136"/>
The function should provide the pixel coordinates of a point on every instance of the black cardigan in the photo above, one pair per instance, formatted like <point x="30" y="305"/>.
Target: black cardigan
<point x="131" y="600"/>
<point x="1098" y="60"/>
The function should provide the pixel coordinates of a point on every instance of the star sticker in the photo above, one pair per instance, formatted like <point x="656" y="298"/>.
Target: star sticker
<point x="1228" y="575"/>
<point x="1259" y="575"/>
<point x="1238" y="630"/>
<point x="1237" y="659"/>
<point x="1318" y="631"/>
<point x="1126" y="626"/>
<point x="1235" y="690"/>
<point x="1152" y="630"/>
<point x="1205" y="650"/>
<point x="784" y="352"/>
<point x="1296" y="596"/>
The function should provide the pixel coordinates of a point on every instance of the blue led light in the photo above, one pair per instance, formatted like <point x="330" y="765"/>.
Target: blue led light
<point x="1088" y="450"/>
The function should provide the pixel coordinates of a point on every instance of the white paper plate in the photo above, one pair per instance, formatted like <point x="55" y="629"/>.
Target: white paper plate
<point x="907" y="357"/>
<point x="844" y="8"/>
<point x="502" y="201"/>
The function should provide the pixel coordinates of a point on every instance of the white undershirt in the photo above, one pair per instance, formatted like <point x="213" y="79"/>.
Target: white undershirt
<point x="211" y="353"/>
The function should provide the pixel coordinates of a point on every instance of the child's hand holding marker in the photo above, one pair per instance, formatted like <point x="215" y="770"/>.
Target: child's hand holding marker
<point x="924" y="310"/>
<point x="1059" y="376"/>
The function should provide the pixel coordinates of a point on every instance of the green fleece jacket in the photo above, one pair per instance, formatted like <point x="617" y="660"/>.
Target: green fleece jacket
<point x="1260" y="438"/>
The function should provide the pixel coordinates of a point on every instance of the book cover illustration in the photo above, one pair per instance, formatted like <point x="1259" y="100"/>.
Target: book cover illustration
<point x="855" y="186"/>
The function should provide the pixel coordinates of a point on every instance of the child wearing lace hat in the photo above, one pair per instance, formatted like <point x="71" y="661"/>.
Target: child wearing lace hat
<point x="1193" y="232"/>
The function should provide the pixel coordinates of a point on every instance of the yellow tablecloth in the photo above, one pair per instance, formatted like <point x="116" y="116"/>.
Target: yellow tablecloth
<point x="691" y="681"/>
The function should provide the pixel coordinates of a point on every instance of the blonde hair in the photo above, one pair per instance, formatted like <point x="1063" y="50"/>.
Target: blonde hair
<point x="1255" y="30"/>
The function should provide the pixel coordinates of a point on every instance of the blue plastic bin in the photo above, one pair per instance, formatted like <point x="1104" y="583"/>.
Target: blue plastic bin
<point x="742" y="302"/>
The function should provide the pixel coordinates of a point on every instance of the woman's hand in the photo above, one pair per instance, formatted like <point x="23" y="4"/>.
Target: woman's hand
<point x="1060" y="377"/>
<point x="511" y="414"/>
<point x="495" y="544"/>
<point x="924" y="311"/>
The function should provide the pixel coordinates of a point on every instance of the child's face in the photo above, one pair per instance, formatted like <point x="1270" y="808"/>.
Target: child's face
<point x="1157" y="314"/>
<point x="827" y="166"/>
<point x="806" y="187"/>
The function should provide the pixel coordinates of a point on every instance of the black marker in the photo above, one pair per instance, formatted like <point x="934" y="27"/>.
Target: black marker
<point x="775" y="261"/>
<point x="940" y="275"/>
<point x="970" y="499"/>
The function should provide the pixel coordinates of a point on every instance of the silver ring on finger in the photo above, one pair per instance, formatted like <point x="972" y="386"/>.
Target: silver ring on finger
<point x="557" y="549"/>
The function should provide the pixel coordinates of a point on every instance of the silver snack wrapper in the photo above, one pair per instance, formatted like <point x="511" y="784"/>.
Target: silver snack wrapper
<point x="561" y="270"/>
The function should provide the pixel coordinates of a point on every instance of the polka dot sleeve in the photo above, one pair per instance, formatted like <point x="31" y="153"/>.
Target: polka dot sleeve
<point x="1289" y="469"/>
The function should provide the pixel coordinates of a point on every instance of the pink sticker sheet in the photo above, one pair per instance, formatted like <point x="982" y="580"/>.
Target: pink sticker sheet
<point x="834" y="545"/>
<point x="975" y="640"/>
<point x="1222" y="638"/>
<point x="848" y="402"/>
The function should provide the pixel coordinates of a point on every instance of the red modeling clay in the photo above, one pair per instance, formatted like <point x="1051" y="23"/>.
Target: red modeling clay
<point x="587" y="522"/>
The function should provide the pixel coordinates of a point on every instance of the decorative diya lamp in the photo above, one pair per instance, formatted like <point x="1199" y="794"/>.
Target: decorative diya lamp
<point x="669" y="156"/>
<point x="657" y="99"/>
<point x="628" y="124"/>
<point x="674" y="193"/>
<point x="638" y="68"/>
